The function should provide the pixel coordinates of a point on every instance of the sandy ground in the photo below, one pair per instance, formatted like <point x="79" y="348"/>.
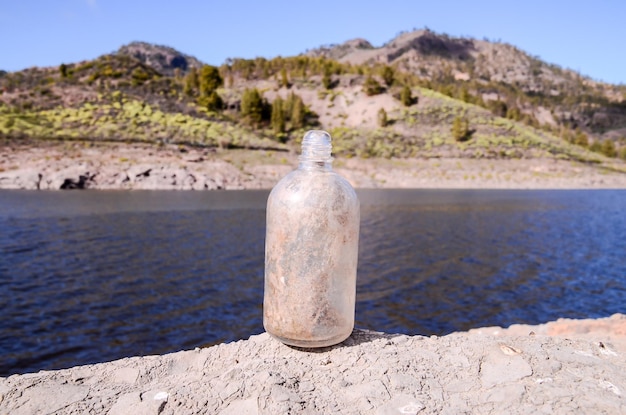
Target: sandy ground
<point x="563" y="367"/>
<point x="120" y="166"/>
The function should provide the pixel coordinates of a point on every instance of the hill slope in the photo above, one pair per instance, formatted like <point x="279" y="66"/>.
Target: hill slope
<point x="354" y="90"/>
<point x="498" y="71"/>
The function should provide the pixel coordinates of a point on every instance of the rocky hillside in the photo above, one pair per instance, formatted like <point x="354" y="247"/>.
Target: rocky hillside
<point x="498" y="71"/>
<point x="163" y="59"/>
<point x="420" y="95"/>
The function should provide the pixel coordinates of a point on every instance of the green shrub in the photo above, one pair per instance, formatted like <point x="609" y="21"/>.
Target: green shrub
<point x="212" y="103"/>
<point x="608" y="148"/>
<point x="513" y="113"/>
<point x="581" y="139"/>
<point x="139" y="76"/>
<point x="498" y="108"/>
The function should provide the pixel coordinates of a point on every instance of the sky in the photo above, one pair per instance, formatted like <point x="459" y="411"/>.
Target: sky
<point x="586" y="36"/>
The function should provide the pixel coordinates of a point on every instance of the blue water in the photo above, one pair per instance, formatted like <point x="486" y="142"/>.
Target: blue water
<point x="95" y="276"/>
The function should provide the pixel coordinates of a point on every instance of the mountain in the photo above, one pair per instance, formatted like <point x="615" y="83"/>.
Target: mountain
<point x="421" y="94"/>
<point x="163" y="59"/>
<point x="433" y="56"/>
<point x="497" y="71"/>
<point x="337" y="52"/>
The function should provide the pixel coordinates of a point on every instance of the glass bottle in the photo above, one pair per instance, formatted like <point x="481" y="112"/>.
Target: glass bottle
<point x="311" y="251"/>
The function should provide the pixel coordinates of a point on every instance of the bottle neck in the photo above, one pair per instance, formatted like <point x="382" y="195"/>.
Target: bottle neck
<point x="316" y="151"/>
<point x="316" y="165"/>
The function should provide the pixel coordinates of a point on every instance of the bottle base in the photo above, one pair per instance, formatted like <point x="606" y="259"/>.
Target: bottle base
<point x="312" y="344"/>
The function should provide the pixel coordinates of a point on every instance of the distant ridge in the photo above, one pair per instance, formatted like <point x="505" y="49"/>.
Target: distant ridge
<point x="337" y="52"/>
<point x="164" y="59"/>
<point x="497" y="68"/>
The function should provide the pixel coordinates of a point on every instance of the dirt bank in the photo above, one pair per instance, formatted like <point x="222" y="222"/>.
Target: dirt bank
<point x="52" y="166"/>
<point x="580" y="368"/>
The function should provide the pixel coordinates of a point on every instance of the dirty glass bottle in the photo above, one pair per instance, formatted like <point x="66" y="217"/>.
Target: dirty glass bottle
<point x="311" y="251"/>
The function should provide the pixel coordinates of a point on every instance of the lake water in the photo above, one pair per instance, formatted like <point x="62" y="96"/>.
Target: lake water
<point x="95" y="276"/>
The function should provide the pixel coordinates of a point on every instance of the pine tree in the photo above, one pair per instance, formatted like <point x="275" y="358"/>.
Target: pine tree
<point x="251" y="105"/>
<point x="288" y="106"/>
<point x="388" y="75"/>
<point x="297" y="113"/>
<point x="382" y="118"/>
<point x="406" y="97"/>
<point x="460" y="128"/>
<point x="278" y="116"/>
<point x="327" y="80"/>
<point x="284" y="81"/>
<point x="464" y="94"/>
<point x="191" y="82"/>
<point x="209" y="79"/>
<point x="63" y="70"/>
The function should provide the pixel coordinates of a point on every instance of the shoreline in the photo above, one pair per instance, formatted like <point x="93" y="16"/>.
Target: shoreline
<point x="72" y="165"/>
<point x="561" y="367"/>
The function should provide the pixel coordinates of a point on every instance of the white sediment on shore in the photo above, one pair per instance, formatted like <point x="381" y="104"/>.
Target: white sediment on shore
<point x="580" y="368"/>
<point x="121" y="166"/>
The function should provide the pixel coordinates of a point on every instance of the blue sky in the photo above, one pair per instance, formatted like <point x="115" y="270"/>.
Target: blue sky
<point x="587" y="36"/>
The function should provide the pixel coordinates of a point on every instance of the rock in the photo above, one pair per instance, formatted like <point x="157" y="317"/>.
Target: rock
<point x="28" y="179"/>
<point x="126" y="375"/>
<point x="50" y="166"/>
<point x="83" y="182"/>
<point x="500" y="366"/>
<point x="129" y="403"/>
<point x="242" y="407"/>
<point x="47" y="398"/>
<point x="370" y="373"/>
<point x="80" y="375"/>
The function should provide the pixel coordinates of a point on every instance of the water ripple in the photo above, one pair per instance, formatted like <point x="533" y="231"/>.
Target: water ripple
<point x="100" y="276"/>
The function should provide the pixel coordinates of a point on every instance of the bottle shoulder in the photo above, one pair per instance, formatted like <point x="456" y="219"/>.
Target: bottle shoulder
<point x="306" y="185"/>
